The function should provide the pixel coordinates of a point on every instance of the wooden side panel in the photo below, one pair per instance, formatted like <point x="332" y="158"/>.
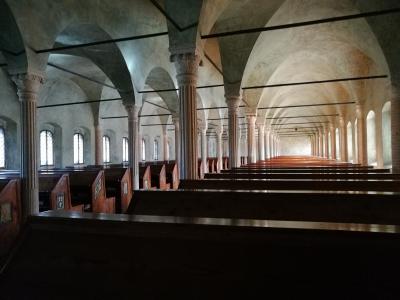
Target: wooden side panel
<point x="126" y="190"/>
<point x="10" y="214"/>
<point x="99" y="193"/>
<point x="60" y="195"/>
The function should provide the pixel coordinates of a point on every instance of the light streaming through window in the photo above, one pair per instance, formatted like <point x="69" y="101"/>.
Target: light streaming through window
<point x="155" y="150"/>
<point x="78" y="148"/>
<point x="2" y="149"/>
<point x="143" y="150"/>
<point x="46" y="148"/>
<point x="106" y="149"/>
<point x="125" y="149"/>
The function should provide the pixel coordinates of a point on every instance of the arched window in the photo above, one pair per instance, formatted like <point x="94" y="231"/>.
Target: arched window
<point x="106" y="149"/>
<point x="2" y="149"/>
<point x="350" y="142"/>
<point x="143" y="150"/>
<point x="125" y="149"/>
<point x="46" y="148"/>
<point x="337" y="142"/>
<point x="155" y="150"/>
<point x="371" y="138"/>
<point x="387" y="135"/>
<point x="167" y="151"/>
<point x="78" y="148"/>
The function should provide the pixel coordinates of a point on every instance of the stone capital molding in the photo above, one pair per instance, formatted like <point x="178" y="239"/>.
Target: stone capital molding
<point x="232" y="102"/>
<point x="28" y="84"/>
<point x="133" y="112"/>
<point x="186" y="65"/>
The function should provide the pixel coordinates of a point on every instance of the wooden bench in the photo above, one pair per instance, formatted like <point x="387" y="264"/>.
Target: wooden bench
<point x="144" y="177"/>
<point x="225" y="163"/>
<point x="119" y="186"/>
<point x="54" y="192"/>
<point x="171" y="171"/>
<point x="302" y="176"/>
<point x="307" y="170"/>
<point x="88" y="188"/>
<point x="211" y="165"/>
<point x="158" y="177"/>
<point x="383" y="185"/>
<point x="318" y="206"/>
<point x="10" y="212"/>
<point x="181" y="258"/>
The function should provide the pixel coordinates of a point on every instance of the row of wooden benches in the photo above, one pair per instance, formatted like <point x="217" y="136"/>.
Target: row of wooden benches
<point x="302" y="237"/>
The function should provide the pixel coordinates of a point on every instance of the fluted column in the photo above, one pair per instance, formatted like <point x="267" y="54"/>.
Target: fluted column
<point x="233" y="127"/>
<point x="395" y="126"/>
<point x="333" y="142"/>
<point x="204" y="147"/>
<point x="219" y="149"/>
<point x="133" y="142"/>
<point x="186" y="65"/>
<point x="251" y="136"/>
<point x="271" y="143"/>
<point x="361" y="135"/>
<point x="28" y="86"/>
<point x="165" y="144"/>
<point x="175" y="120"/>
<point x="266" y="143"/>
<point x="98" y="149"/>
<point x="343" y="140"/>
<point x="326" y="142"/>
<point x="261" y="139"/>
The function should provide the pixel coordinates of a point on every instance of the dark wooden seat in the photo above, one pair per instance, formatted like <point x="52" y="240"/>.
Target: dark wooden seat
<point x="158" y="177"/>
<point x="307" y="170"/>
<point x="303" y="176"/>
<point x="144" y="177"/>
<point x="54" y="193"/>
<point x="318" y="206"/>
<point x="293" y="184"/>
<point x="171" y="171"/>
<point x="10" y="213"/>
<point x="88" y="188"/>
<point x="183" y="258"/>
<point x="119" y="186"/>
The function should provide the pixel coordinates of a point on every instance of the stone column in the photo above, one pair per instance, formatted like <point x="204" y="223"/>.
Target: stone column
<point x="175" y="120"/>
<point x="251" y="135"/>
<point x="378" y="138"/>
<point x="343" y="140"/>
<point x="326" y="142"/>
<point x="395" y="125"/>
<point x="361" y="135"/>
<point x="219" y="149"/>
<point x="187" y="66"/>
<point x="321" y="143"/>
<point x="28" y="86"/>
<point x="233" y="127"/>
<point x="204" y="148"/>
<point x="266" y="143"/>
<point x="133" y="140"/>
<point x="98" y="149"/>
<point x="261" y="139"/>
<point x="165" y="145"/>
<point x="271" y="144"/>
<point x="333" y="142"/>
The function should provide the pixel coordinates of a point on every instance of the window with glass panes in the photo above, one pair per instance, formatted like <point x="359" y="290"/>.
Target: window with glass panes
<point x="46" y="148"/>
<point x="78" y="148"/>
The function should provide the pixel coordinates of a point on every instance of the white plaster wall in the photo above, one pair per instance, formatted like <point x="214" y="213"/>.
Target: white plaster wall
<point x="295" y="146"/>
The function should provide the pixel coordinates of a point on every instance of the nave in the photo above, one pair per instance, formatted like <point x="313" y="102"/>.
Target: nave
<point x="218" y="238"/>
<point x="199" y="149"/>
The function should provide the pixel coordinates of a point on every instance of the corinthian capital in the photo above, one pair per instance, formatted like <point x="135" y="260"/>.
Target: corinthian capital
<point x="28" y="84"/>
<point x="186" y="65"/>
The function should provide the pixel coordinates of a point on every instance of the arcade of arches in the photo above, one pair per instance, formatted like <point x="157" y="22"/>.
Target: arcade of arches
<point x="132" y="82"/>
